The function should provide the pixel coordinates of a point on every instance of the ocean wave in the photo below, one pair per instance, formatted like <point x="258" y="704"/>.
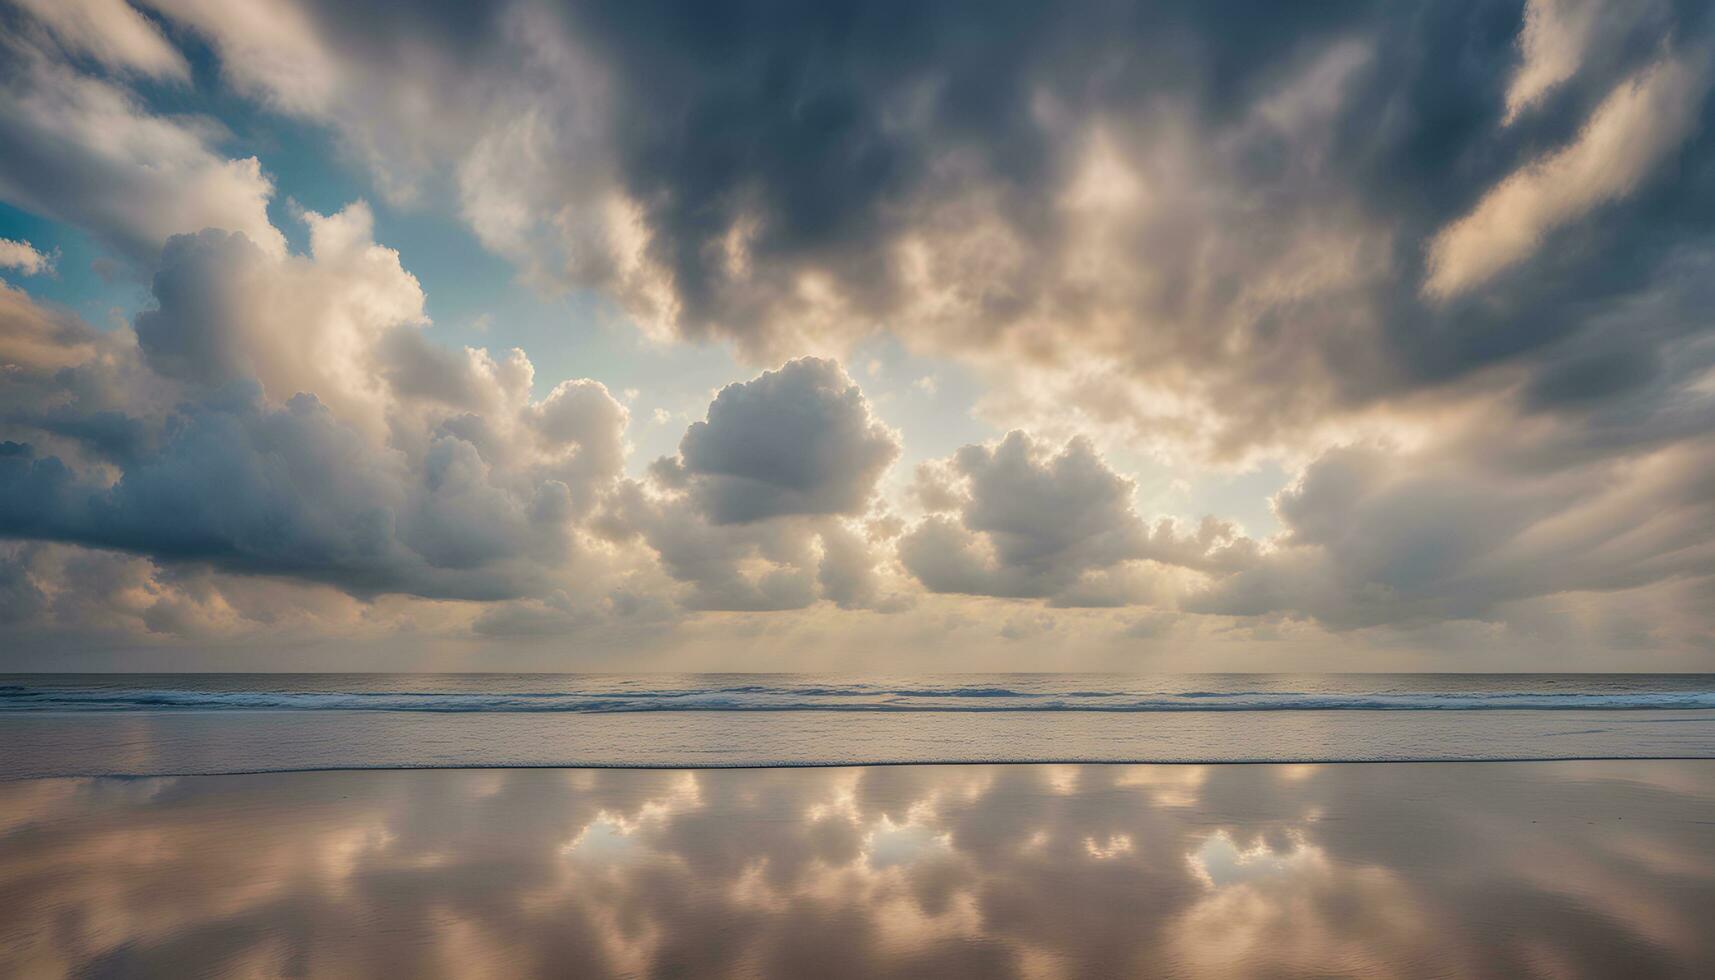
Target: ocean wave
<point x="854" y="698"/>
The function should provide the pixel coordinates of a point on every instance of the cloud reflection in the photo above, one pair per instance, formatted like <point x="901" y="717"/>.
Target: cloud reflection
<point x="1577" y="869"/>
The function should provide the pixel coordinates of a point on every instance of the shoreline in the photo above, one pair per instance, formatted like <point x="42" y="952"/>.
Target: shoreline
<point x="825" y="766"/>
<point x="185" y="742"/>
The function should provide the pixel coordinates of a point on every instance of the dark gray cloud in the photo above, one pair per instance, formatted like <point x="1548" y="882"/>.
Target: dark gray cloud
<point x="21" y="600"/>
<point x="293" y="492"/>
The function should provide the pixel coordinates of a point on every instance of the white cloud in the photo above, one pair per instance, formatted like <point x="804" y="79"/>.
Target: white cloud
<point x="24" y="257"/>
<point x="1643" y="120"/>
<point x="228" y="309"/>
<point x="267" y="49"/>
<point x="113" y="33"/>
<point x="1551" y="45"/>
<point x="86" y="151"/>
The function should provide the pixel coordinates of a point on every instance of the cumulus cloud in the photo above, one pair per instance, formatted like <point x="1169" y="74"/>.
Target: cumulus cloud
<point x="799" y="440"/>
<point x="375" y="462"/>
<point x="847" y="569"/>
<point x="227" y="309"/>
<point x="266" y="417"/>
<point x="291" y="491"/>
<point x="763" y="566"/>
<point x="1061" y="526"/>
<point x="754" y="513"/>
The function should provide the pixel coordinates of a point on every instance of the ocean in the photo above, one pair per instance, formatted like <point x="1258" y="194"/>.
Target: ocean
<point x="793" y="825"/>
<point x="176" y="724"/>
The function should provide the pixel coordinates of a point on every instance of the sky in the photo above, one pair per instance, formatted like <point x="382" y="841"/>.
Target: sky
<point x="648" y="335"/>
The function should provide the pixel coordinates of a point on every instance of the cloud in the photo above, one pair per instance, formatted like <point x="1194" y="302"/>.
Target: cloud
<point x="1381" y="537"/>
<point x="799" y="440"/>
<point x="405" y="91"/>
<point x="754" y="513"/>
<point x="68" y="385"/>
<point x="85" y="150"/>
<point x="1144" y="223"/>
<point x="23" y="257"/>
<point x="286" y="417"/>
<point x="1044" y="521"/>
<point x="58" y="596"/>
<point x="273" y="415"/>
<point x="757" y="567"/>
<point x="1551" y="45"/>
<point x="321" y="322"/>
<point x="290" y="491"/>
<point x="1631" y="132"/>
<point x="847" y="569"/>
<point x="1447" y="266"/>
<point x="580" y="428"/>
<point x="1062" y="527"/>
<point x="113" y="33"/>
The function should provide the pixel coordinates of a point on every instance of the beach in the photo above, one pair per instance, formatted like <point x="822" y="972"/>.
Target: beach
<point x="1370" y="870"/>
<point x="773" y="825"/>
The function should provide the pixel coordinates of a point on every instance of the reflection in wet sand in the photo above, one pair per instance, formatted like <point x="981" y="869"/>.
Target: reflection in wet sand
<point x="1498" y="869"/>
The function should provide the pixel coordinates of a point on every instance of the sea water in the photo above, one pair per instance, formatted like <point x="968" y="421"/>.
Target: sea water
<point x="155" y="724"/>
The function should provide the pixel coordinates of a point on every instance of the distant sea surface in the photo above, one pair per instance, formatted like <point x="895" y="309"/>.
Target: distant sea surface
<point x="162" y="724"/>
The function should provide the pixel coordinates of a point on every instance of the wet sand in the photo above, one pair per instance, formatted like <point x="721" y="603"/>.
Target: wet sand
<point x="159" y="743"/>
<point x="1574" y="869"/>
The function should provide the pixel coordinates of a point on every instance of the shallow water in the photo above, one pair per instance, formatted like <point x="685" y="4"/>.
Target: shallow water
<point x="1576" y="869"/>
<point x="173" y="743"/>
<point x="168" y="724"/>
<point x="610" y="693"/>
